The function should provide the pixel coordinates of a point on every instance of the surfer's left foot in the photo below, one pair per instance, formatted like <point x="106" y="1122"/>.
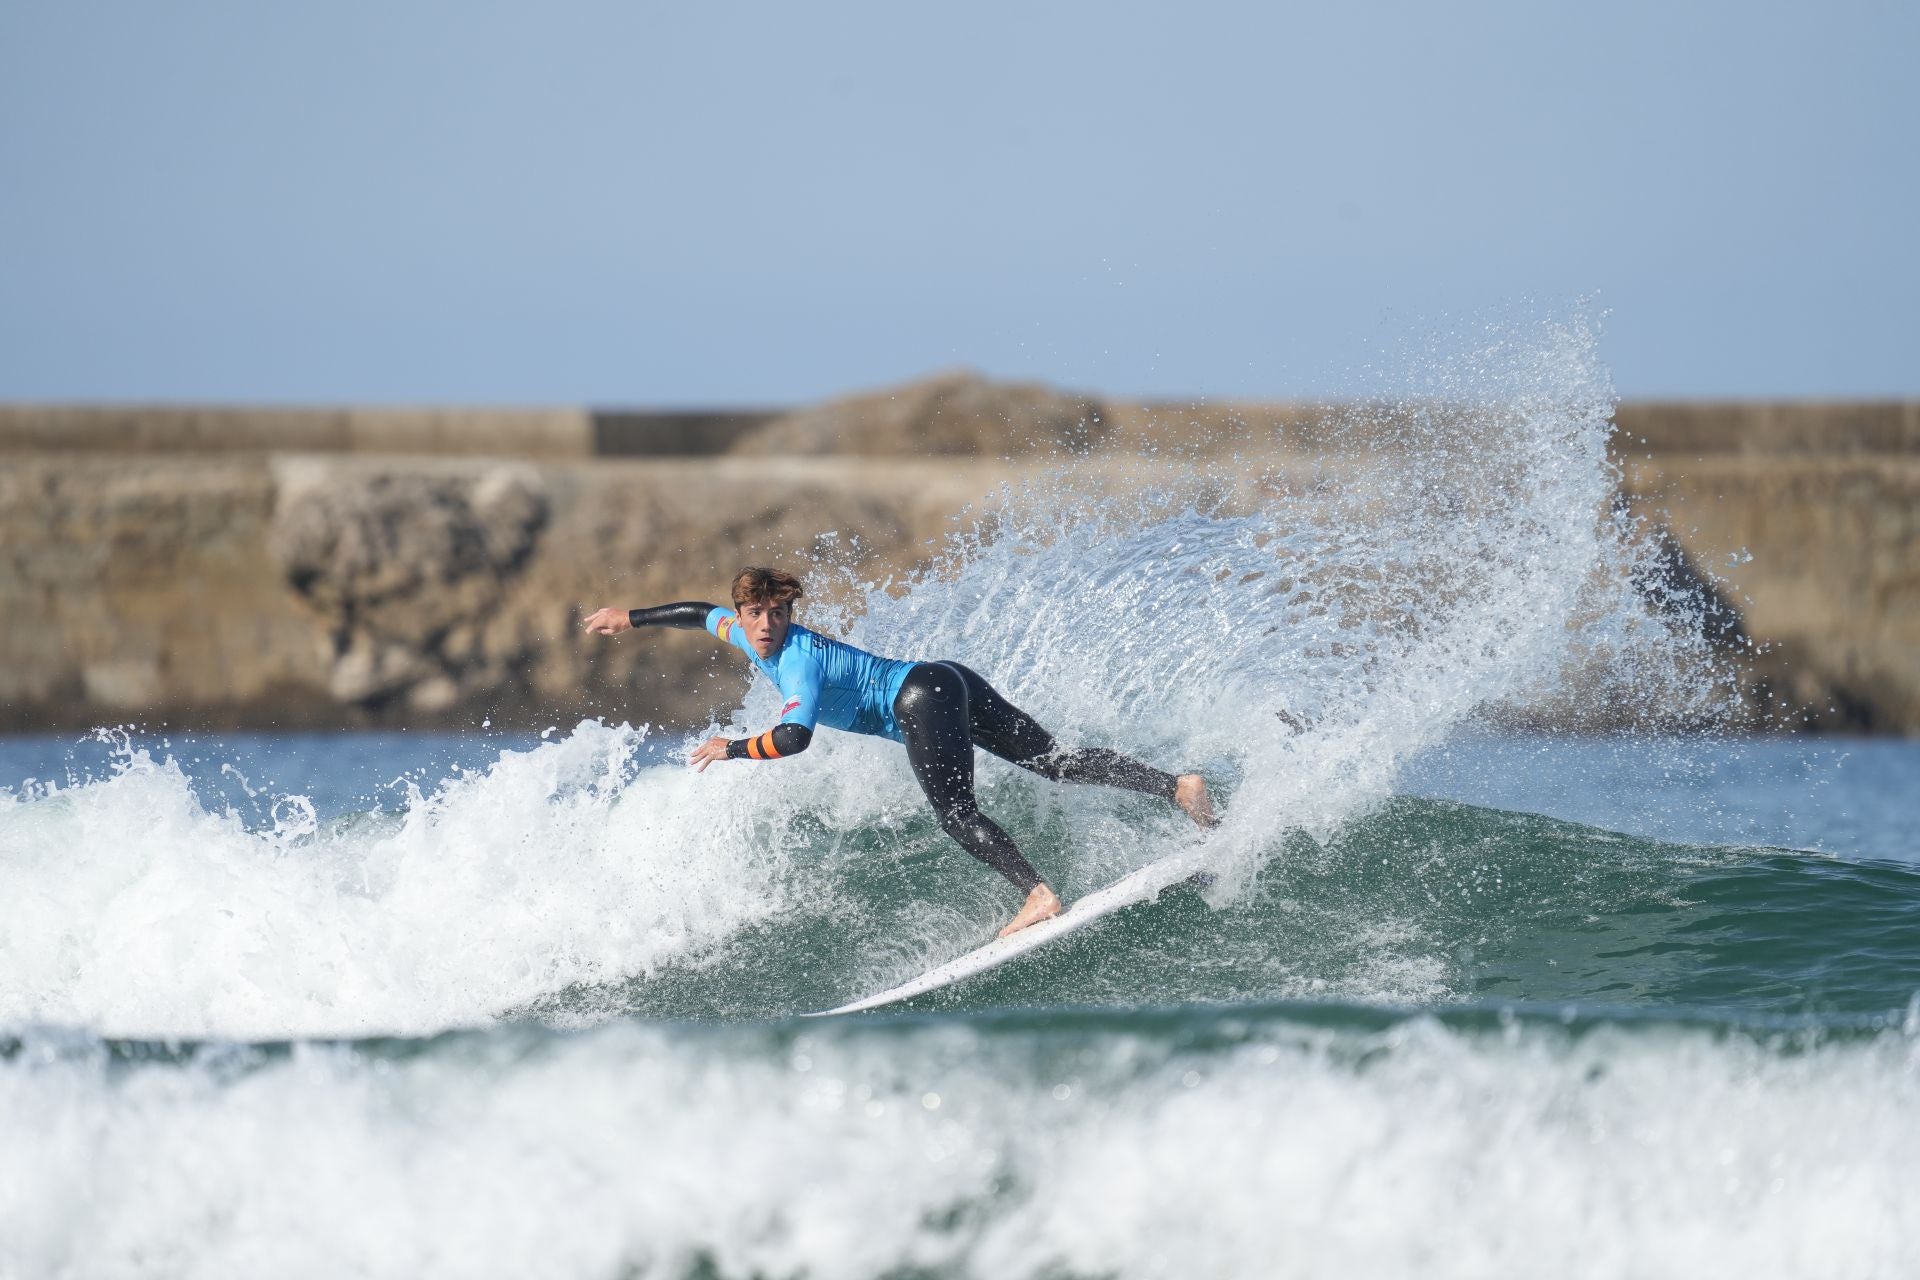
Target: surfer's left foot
<point x="1190" y="793"/>
<point x="1042" y="904"/>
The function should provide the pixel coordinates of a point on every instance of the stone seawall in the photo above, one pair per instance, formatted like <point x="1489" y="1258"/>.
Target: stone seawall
<point x="294" y="568"/>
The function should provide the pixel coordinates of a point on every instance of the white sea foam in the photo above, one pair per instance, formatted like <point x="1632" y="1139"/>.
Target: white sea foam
<point x="137" y="904"/>
<point x="132" y="907"/>
<point x="1412" y="1152"/>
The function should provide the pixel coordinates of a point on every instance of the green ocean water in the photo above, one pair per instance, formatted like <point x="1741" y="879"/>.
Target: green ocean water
<point x="1426" y="900"/>
<point x="1450" y="1039"/>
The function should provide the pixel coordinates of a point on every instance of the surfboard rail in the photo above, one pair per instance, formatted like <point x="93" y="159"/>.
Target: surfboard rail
<point x="1138" y="886"/>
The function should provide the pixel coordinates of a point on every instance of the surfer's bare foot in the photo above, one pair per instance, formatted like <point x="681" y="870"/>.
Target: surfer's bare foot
<point x="1190" y="793"/>
<point x="1042" y="904"/>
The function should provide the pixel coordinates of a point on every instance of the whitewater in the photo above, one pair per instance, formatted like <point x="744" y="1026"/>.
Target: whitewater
<point x="1466" y="996"/>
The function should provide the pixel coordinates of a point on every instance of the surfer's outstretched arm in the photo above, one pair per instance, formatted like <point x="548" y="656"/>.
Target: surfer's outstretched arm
<point x="689" y="615"/>
<point x="780" y="741"/>
<point x="800" y="682"/>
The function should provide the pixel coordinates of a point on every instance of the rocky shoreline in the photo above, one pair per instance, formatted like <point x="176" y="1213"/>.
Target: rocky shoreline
<point x="283" y="568"/>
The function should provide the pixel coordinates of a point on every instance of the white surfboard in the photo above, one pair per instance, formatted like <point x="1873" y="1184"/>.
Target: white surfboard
<point x="1141" y="885"/>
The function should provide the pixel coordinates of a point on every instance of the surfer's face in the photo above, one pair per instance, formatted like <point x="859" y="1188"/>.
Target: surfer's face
<point x="766" y="625"/>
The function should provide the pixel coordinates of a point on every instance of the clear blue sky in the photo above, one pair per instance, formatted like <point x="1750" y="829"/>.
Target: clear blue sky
<point x="647" y="204"/>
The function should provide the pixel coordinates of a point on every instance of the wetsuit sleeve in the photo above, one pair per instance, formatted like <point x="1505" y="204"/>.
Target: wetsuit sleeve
<point x="690" y="615"/>
<point x="781" y="740"/>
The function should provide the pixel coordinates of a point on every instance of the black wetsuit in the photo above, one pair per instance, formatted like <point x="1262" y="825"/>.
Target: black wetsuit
<point x="939" y="711"/>
<point x="945" y="710"/>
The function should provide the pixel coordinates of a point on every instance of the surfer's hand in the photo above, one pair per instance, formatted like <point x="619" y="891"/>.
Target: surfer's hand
<point x="608" y="622"/>
<point x="707" y="752"/>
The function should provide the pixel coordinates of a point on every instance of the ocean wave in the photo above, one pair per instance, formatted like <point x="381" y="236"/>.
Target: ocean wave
<point x="1298" y="637"/>
<point x="1181" y="1142"/>
<point x="578" y="883"/>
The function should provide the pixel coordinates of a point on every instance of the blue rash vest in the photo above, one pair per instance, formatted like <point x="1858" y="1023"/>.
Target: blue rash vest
<point x="823" y="681"/>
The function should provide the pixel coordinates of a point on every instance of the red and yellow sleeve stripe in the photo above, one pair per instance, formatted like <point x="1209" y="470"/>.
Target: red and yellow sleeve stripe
<point x="761" y="748"/>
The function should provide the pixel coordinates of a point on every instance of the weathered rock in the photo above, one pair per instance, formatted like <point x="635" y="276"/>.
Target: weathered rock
<point x="405" y="568"/>
<point x="1820" y="557"/>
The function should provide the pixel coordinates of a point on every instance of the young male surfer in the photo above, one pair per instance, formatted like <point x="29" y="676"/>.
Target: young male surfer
<point x="939" y="711"/>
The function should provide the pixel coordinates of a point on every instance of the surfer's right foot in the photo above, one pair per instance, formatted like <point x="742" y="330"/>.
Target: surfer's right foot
<point x="1190" y="793"/>
<point x="1042" y="904"/>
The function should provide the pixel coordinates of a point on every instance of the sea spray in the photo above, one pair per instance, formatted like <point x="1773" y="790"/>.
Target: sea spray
<point x="1310" y="626"/>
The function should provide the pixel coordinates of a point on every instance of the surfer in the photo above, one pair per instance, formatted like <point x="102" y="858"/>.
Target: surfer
<point x="939" y="711"/>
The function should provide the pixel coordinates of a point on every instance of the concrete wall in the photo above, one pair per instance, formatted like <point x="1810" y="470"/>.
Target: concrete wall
<point x="287" y="567"/>
<point x="510" y="433"/>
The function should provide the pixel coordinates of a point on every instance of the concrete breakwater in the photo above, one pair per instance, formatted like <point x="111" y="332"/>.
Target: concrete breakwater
<point x="293" y="568"/>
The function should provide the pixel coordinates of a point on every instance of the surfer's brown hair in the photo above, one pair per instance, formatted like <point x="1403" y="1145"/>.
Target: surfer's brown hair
<point x="765" y="587"/>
